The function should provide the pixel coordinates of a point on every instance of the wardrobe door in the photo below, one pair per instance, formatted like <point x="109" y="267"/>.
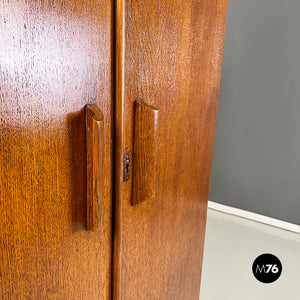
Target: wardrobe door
<point x="168" y="56"/>
<point x="55" y="57"/>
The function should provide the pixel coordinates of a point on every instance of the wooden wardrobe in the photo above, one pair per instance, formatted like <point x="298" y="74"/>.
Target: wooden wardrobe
<point x="107" y="117"/>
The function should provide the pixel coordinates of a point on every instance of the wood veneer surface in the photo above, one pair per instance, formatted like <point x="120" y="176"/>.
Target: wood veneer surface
<point x="168" y="54"/>
<point x="55" y="56"/>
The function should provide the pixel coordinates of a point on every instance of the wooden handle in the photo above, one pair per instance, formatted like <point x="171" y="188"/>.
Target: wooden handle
<point x="144" y="164"/>
<point x="94" y="152"/>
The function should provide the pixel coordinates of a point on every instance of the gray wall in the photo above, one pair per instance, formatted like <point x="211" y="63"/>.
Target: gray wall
<point x="256" y="161"/>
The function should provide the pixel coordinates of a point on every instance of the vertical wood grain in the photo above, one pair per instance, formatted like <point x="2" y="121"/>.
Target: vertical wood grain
<point x="94" y="154"/>
<point x="55" y="57"/>
<point x="168" y="53"/>
<point x="145" y="144"/>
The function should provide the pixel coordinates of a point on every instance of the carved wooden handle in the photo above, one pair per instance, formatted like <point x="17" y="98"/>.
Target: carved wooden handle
<point x="94" y="153"/>
<point x="144" y="164"/>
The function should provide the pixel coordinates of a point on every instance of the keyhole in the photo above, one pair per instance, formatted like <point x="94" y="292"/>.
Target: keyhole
<point x="126" y="168"/>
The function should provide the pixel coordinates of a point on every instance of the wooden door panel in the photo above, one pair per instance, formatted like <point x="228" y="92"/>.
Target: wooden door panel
<point x="55" y="57"/>
<point x="168" y="54"/>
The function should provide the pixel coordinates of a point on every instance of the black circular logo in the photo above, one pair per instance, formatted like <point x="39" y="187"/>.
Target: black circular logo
<point x="267" y="268"/>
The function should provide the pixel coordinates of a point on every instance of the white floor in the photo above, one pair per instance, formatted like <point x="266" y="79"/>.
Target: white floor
<point x="231" y="245"/>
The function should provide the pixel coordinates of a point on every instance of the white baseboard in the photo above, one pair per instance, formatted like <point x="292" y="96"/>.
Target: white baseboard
<point x="253" y="216"/>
